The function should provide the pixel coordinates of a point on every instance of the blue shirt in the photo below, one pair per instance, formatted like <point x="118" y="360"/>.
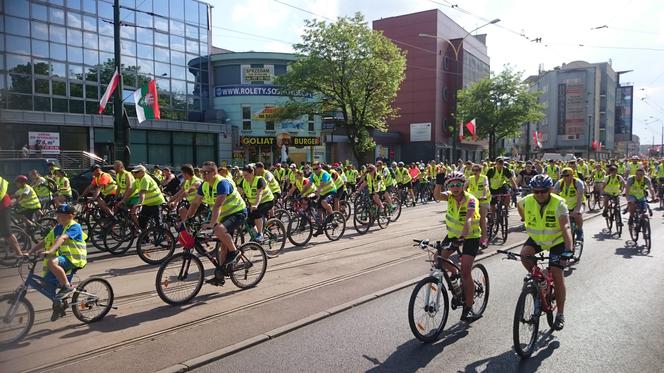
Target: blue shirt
<point x="75" y="232"/>
<point x="224" y="188"/>
<point x="325" y="178"/>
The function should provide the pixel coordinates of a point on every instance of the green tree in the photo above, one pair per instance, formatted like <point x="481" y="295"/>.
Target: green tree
<point x="349" y="68"/>
<point x="501" y="103"/>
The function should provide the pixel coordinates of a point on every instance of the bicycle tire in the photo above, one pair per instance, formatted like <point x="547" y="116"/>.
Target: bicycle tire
<point x="578" y="251"/>
<point x="526" y="349"/>
<point x="96" y="236"/>
<point x="84" y="299"/>
<point x="634" y="230"/>
<point x="550" y="319"/>
<point x="123" y="233"/>
<point x="300" y="230"/>
<point x="345" y="209"/>
<point x="362" y="219"/>
<point x="394" y="215"/>
<point x="275" y="235"/>
<point x="25" y="317"/>
<point x="646" y="234"/>
<point x="187" y="283"/>
<point x="618" y="219"/>
<point x="8" y="256"/>
<point x="481" y="289"/>
<point x="335" y="226"/>
<point x="418" y="325"/>
<point x="284" y="216"/>
<point x="252" y="256"/>
<point x="504" y="224"/>
<point x="160" y="245"/>
<point x="383" y="218"/>
<point x="609" y="219"/>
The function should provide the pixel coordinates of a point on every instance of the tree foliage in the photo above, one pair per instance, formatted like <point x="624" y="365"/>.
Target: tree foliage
<point x="349" y="68"/>
<point x="501" y="103"/>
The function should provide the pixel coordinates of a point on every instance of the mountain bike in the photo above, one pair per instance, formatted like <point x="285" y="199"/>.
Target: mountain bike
<point x="497" y="223"/>
<point x="537" y="297"/>
<point x="367" y="212"/>
<point x="309" y="216"/>
<point x="613" y="216"/>
<point x="90" y="301"/>
<point x="429" y="303"/>
<point x="274" y="235"/>
<point x="180" y="277"/>
<point x="640" y="223"/>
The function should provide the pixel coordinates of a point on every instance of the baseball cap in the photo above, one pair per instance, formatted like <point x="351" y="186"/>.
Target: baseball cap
<point x="139" y="168"/>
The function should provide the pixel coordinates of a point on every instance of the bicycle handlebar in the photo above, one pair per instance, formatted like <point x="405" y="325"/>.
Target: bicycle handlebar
<point x="515" y="256"/>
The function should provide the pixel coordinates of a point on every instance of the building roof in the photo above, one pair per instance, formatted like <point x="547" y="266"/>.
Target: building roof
<point x="252" y="56"/>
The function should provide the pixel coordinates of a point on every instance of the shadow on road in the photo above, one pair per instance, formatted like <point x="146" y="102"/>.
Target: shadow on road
<point x="606" y="234"/>
<point x="631" y="250"/>
<point x="509" y="361"/>
<point x="415" y="355"/>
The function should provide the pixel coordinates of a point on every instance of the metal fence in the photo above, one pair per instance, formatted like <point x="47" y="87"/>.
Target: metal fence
<point x="69" y="160"/>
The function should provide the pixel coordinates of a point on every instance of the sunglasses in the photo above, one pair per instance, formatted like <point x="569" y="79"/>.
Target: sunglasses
<point x="204" y="172"/>
<point x="566" y="175"/>
<point x="541" y="191"/>
<point x="455" y="185"/>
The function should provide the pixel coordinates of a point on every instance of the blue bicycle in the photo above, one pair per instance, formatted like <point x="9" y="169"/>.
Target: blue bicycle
<point x="90" y="302"/>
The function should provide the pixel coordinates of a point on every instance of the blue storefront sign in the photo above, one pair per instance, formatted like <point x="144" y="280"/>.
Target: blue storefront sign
<point x="250" y="90"/>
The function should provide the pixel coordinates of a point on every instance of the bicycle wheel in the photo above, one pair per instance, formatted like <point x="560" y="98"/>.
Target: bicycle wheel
<point x="578" y="251"/>
<point x="335" y="226"/>
<point x="284" y="216"/>
<point x="250" y="266"/>
<point x="609" y="219"/>
<point x="428" y="309"/>
<point x="17" y="318"/>
<point x="618" y="219"/>
<point x="645" y="228"/>
<point x="550" y="319"/>
<point x="92" y="300"/>
<point x="96" y="236"/>
<point x="362" y="218"/>
<point x="526" y="322"/>
<point x="155" y="244"/>
<point x="634" y="230"/>
<point x="275" y="234"/>
<point x="300" y="230"/>
<point x="383" y="218"/>
<point x="396" y="213"/>
<point x="8" y="256"/>
<point x="489" y="227"/>
<point x="345" y="209"/>
<point x="177" y="280"/>
<point x="119" y="236"/>
<point x="504" y="223"/>
<point x="481" y="294"/>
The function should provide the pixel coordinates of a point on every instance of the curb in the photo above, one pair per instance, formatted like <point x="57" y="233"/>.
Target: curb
<point x="202" y="360"/>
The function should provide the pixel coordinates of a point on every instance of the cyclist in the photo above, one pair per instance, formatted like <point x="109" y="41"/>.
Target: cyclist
<point x="499" y="176"/>
<point x="302" y="186"/>
<point x="340" y="183"/>
<point x="612" y="186"/>
<point x="388" y="183"/>
<point x="374" y="183"/>
<point x="5" y="217"/>
<point x="547" y="223"/>
<point x="597" y="178"/>
<point x="572" y="190"/>
<point x="635" y="191"/>
<point x="260" y="197"/>
<point x="229" y="212"/>
<point x="351" y="176"/>
<point x="404" y="180"/>
<point x="478" y="185"/>
<point x="126" y="192"/>
<point x="63" y="193"/>
<point x="64" y="250"/>
<point x="102" y="188"/>
<point x="41" y="187"/>
<point x="188" y="190"/>
<point x="463" y="222"/>
<point x="272" y="182"/>
<point x="26" y="198"/>
<point x="633" y="166"/>
<point x="149" y="197"/>
<point x="326" y="187"/>
<point x="170" y="183"/>
<point x="523" y="180"/>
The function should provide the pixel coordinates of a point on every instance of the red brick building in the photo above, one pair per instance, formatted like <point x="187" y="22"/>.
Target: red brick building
<point x="434" y="72"/>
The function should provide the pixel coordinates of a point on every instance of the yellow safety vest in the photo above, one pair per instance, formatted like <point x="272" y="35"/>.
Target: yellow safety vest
<point x="4" y="184"/>
<point x="42" y="189"/>
<point x="153" y="195"/>
<point x="638" y="189"/>
<point x="187" y="184"/>
<point x="403" y="177"/>
<point x="326" y="188"/>
<point x="339" y="181"/>
<point x="612" y="185"/>
<point x="75" y="251"/>
<point x="498" y="180"/>
<point x="109" y="188"/>
<point x="122" y="178"/>
<point x="543" y="228"/>
<point x="272" y="182"/>
<point x="477" y="187"/>
<point x="632" y="168"/>
<point x="569" y="193"/>
<point x="64" y="188"/>
<point x="29" y="201"/>
<point x="311" y="187"/>
<point x="456" y="217"/>
<point x="251" y="191"/>
<point x="351" y="176"/>
<point x="374" y="185"/>
<point x="552" y="172"/>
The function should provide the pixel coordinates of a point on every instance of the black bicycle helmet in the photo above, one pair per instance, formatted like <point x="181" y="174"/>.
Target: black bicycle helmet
<point x="541" y="181"/>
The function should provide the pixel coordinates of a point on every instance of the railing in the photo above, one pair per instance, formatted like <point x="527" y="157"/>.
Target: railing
<point x="69" y="160"/>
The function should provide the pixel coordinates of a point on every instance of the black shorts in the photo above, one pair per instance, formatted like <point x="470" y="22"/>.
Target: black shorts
<point x="276" y="196"/>
<point x="327" y="197"/>
<point x="148" y="212"/>
<point x="471" y="246"/>
<point x="109" y="199"/>
<point x="555" y="253"/>
<point x="408" y="185"/>
<point x="5" y="222"/>
<point x="261" y="211"/>
<point x="341" y="194"/>
<point x="234" y="221"/>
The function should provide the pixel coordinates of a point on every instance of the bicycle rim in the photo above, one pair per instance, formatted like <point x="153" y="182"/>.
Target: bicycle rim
<point x="16" y="319"/>
<point x="335" y="226"/>
<point x="92" y="300"/>
<point x="481" y="294"/>
<point x="526" y="322"/>
<point x="362" y="219"/>
<point x="428" y="309"/>
<point x="180" y="278"/>
<point x="155" y="245"/>
<point x="249" y="267"/>
<point x="275" y="235"/>
<point x="646" y="234"/>
<point x="300" y="230"/>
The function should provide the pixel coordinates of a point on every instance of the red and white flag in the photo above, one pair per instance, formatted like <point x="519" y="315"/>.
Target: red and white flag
<point x="471" y="128"/>
<point x="112" y="85"/>
<point x="537" y="136"/>
<point x="461" y="137"/>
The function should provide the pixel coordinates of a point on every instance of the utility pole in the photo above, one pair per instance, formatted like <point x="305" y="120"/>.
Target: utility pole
<point x="120" y="128"/>
<point x="527" y="140"/>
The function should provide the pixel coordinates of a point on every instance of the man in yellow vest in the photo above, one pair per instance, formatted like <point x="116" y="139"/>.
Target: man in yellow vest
<point x="547" y="222"/>
<point x="102" y="188"/>
<point x="5" y="217"/>
<point x="228" y="212"/>
<point x="125" y="180"/>
<point x="612" y="186"/>
<point x="41" y="187"/>
<point x="26" y="198"/>
<point x="374" y="182"/>
<point x="63" y="193"/>
<point x="260" y="197"/>
<point x="326" y="187"/>
<point x="270" y="178"/>
<point x="64" y="250"/>
<point x="149" y="196"/>
<point x="478" y="185"/>
<point x="404" y="180"/>
<point x="188" y="190"/>
<point x="463" y="222"/>
<point x="635" y="190"/>
<point x="572" y="190"/>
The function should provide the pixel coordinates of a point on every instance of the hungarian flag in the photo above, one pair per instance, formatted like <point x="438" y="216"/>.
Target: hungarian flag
<point x="147" y="102"/>
<point x="538" y="139"/>
<point x="471" y="128"/>
<point x="112" y="85"/>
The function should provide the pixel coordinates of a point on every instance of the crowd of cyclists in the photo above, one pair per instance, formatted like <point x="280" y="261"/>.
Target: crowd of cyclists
<point x="312" y="196"/>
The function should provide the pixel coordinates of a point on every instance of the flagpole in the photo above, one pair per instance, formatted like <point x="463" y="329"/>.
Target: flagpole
<point x="121" y="130"/>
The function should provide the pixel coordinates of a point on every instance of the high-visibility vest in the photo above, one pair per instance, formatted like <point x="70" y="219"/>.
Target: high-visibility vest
<point x="351" y="176"/>
<point x="42" y="189"/>
<point x="4" y="184"/>
<point x="660" y="171"/>
<point x="158" y="175"/>
<point x="279" y="173"/>
<point x="75" y="251"/>
<point x="153" y="195"/>
<point x="552" y="171"/>
<point x="64" y="188"/>
<point x="543" y="228"/>
<point x="374" y="185"/>
<point x="122" y="178"/>
<point x="632" y="168"/>
<point x="28" y="201"/>
<point x="233" y="203"/>
<point x="251" y="191"/>
<point x="477" y="186"/>
<point x="108" y="189"/>
<point x="456" y="217"/>
<point x="403" y="176"/>
<point x="569" y="193"/>
<point x="612" y="185"/>
<point x="638" y="188"/>
<point x="272" y="182"/>
<point x="187" y="184"/>
<point x="326" y="188"/>
<point x="498" y="180"/>
<point x="210" y="191"/>
<point x="310" y="188"/>
<point x="339" y="182"/>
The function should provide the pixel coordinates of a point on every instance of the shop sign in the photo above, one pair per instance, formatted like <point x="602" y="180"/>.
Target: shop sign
<point x="305" y="141"/>
<point x="266" y="114"/>
<point x="252" y="90"/>
<point x="46" y="142"/>
<point x="263" y="74"/>
<point x="256" y="140"/>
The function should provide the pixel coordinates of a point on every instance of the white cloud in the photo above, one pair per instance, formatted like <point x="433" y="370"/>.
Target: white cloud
<point x="260" y="14"/>
<point x="275" y="46"/>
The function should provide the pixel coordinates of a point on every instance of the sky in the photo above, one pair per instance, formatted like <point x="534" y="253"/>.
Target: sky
<point x="633" y="38"/>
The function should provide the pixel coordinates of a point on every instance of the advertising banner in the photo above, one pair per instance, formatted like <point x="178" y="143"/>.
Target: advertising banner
<point x="624" y="102"/>
<point x="575" y="109"/>
<point x="262" y="75"/>
<point x="257" y="140"/>
<point x="46" y="142"/>
<point x="420" y="132"/>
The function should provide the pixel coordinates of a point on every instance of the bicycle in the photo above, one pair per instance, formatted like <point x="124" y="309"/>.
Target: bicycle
<point x="537" y="293"/>
<point x="434" y="302"/>
<point x="180" y="277"/>
<point x="498" y="221"/>
<point x="8" y="256"/>
<point x="595" y="200"/>
<point x="405" y="196"/>
<point x="366" y="213"/>
<point x="613" y="215"/>
<point x="640" y="223"/>
<point x="36" y="229"/>
<point x="274" y="236"/>
<point x="577" y="246"/>
<point x="309" y="216"/>
<point x="90" y="301"/>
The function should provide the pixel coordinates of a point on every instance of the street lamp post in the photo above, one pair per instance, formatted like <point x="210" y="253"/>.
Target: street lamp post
<point x="457" y="49"/>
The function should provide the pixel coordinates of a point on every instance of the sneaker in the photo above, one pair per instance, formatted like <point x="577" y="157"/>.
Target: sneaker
<point x="216" y="281"/>
<point x="484" y="242"/>
<point x="58" y="311"/>
<point x="65" y="291"/>
<point x="259" y="238"/>
<point x="559" y="322"/>
<point x="467" y="315"/>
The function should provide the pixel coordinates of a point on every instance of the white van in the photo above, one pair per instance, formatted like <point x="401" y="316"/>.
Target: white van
<point x="557" y="157"/>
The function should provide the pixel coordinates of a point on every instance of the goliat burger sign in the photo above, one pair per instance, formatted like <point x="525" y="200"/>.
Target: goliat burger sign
<point x="256" y="140"/>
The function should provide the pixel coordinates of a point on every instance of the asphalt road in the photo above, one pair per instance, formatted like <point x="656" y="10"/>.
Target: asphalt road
<point x="614" y="323"/>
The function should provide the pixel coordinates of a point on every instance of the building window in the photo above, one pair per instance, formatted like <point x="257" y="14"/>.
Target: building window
<point x="310" y="123"/>
<point x="246" y="118"/>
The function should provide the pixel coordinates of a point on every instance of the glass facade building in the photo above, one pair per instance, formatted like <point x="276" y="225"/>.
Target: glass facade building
<point x="58" y="56"/>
